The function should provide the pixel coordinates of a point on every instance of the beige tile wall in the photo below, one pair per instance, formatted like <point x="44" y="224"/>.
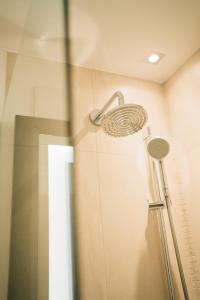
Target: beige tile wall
<point x="118" y="250"/>
<point x="182" y="94"/>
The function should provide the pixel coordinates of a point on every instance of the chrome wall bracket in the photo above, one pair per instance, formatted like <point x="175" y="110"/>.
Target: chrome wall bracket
<point x="96" y="115"/>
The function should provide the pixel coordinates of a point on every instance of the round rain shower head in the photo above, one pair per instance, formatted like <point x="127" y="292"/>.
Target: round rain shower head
<point x="158" y="147"/>
<point x="124" y="120"/>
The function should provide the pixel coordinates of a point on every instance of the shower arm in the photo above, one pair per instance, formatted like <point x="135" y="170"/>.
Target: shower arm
<point x="96" y="115"/>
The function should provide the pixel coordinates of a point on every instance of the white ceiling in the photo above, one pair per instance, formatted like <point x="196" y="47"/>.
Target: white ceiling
<point x="116" y="35"/>
<point x="109" y="35"/>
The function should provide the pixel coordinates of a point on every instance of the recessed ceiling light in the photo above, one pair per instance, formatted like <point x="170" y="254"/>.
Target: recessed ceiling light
<point x="154" y="58"/>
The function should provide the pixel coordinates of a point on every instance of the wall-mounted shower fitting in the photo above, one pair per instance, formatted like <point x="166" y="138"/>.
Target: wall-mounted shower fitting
<point x="156" y="205"/>
<point x="158" y="148"/>
<point x="122" y="120"/>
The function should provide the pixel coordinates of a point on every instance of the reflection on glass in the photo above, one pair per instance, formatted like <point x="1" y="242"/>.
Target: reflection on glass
<point x="33" y="102"/>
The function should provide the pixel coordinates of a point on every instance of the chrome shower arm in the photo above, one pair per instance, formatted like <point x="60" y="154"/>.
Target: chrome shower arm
<point x="118" y="95"/>
<point x="96" y="115"/>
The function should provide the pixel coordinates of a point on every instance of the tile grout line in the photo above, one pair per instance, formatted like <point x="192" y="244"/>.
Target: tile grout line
<point x="182" y="200"/>
<point x="188" y="240"/>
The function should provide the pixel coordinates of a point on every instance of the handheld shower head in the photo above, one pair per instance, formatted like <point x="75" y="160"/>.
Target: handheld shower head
<point x="122" y="120"/>
<point x="158" y="148"/>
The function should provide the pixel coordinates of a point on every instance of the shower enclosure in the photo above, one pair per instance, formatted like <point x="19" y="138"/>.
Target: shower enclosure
<point x="122" y="221"/>
<point x="133" y="230"/>
<point x="127" y="119"/>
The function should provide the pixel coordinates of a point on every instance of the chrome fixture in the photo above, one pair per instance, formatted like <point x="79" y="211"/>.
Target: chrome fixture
<point x="157" y="149"/>
<point x="122" y="120"/>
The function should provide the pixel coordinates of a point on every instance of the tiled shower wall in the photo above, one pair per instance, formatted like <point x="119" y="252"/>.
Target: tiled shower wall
<point x="182" y="94"/>
<point x="117" y="241"/>
<point x="119" y="255"/>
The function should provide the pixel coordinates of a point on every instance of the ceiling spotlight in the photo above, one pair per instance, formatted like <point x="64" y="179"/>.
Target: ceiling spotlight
<point x="154" y="58"/>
